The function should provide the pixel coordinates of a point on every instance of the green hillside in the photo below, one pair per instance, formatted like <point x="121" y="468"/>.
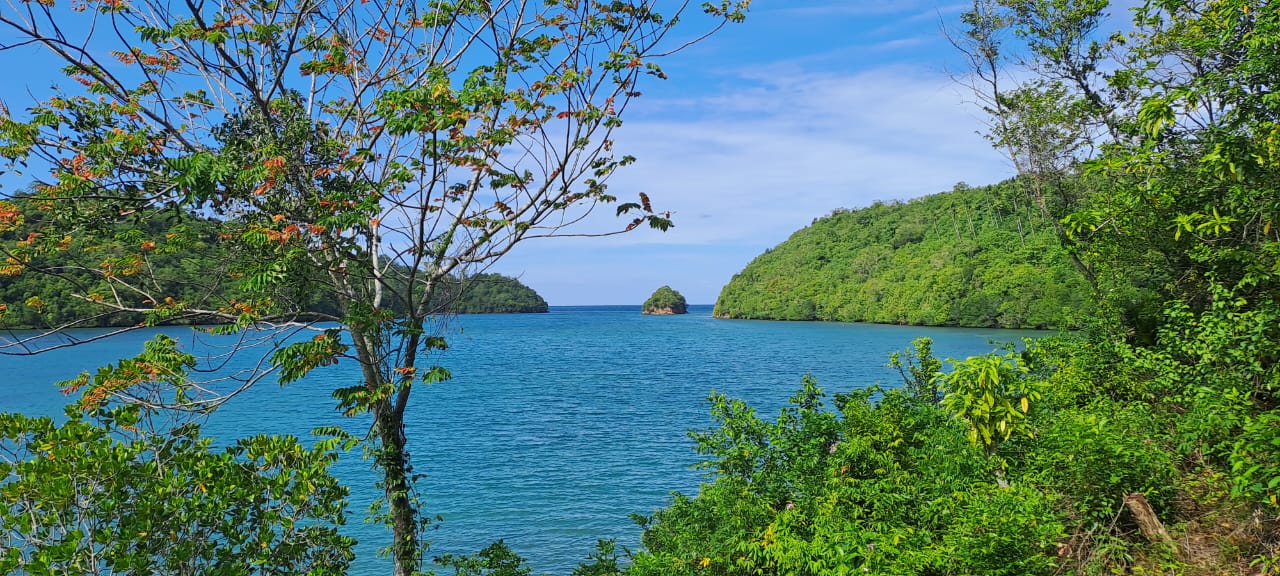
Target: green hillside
<point x="970" y="257"/>
<point x="497" y="294"/>
<point x="71" y="281"/>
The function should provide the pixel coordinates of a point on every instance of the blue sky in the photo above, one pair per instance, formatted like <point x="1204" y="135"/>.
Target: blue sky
<point x="808" y="106"/>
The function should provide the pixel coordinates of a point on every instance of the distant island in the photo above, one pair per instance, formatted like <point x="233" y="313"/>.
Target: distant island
<point x="975" y="257"/>
<point x="664" y="302"/>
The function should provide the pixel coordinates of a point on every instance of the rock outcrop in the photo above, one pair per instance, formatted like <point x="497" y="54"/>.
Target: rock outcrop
<point x="665" y="302"/>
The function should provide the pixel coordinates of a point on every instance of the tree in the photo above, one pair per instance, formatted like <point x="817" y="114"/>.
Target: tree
<point x="1164" y="127"/>
<point x="1182" y="223"/>
<point x="361" y="151"/>
<point x="99" y="496"/>
<point x="1045" y="124"/>
<point x="993" y="397"/>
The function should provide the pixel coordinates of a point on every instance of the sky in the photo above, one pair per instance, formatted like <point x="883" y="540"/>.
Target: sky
<point x="806" y="107"/>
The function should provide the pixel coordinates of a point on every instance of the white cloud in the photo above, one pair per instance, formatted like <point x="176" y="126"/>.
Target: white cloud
<point x="796" y="146"/>
<point x="742" y="170"/>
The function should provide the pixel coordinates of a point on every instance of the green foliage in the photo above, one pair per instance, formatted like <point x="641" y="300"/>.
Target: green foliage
<point x="496" y="559"/>
<point x="919" y="370"/>
<point x="971" y="257"/>
<point x="493" y="294"/>
<point x="1147" y="162"/>
<point x="77" y="280"/>
<point x="883" y="487"/>
<point x="1099" y="454"/>
<point x="994" y="529"/>
<point x="665" y="298"/>
<point x="84" y="497"/>
<point x="602" y="562"/>
<point x="992" y="395"/>
<point x="191" y="277"/>
<point x="1254" y="461"/>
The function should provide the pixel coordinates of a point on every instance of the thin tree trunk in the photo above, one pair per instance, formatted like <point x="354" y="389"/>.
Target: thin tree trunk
<point x="390" y="457"/>
<point x="1063" y="238"/>
<point x="394" y="463"/>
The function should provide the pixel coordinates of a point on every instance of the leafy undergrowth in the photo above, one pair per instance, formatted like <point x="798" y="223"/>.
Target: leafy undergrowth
<point x="1213" y="536"/>
<point x="1065" y="458"/>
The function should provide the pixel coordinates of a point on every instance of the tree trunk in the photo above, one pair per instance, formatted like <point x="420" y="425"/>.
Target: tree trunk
<point x="1038" y="194"/>
<point x="394" y="463"/>
<point x="1147" y="521"/>
<point x="390" y="457"/>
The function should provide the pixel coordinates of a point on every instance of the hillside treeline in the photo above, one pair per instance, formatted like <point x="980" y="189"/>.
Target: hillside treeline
<point x="189" y="266"/>
<point x="975" y="256"/>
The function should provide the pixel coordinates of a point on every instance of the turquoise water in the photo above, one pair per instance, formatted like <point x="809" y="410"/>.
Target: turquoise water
<point x="555" y="426"/>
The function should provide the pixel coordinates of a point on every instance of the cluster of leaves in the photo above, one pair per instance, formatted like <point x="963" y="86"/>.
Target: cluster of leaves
<point x="498" y="559"/>
<point x="90" y="281"/>
<point x="665" y="298"/>
<point x="98" y="495"/>
<point x="971" y="257"/>
<point x="1011" y="473"/>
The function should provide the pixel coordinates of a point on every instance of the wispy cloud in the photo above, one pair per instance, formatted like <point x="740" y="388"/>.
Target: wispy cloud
<point x="801" y="145"/>
<point x="743" y="169"/>
<point x="938" y="12"/>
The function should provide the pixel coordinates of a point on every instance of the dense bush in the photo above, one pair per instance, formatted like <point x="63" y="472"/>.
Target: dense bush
<point x="1097" y="455"/>
<point x="97" y="495"/>
<point x="883" y="484"/>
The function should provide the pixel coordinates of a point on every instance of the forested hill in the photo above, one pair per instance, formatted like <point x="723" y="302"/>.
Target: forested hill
<point x="189" y="266"/>
<point x="34" y="301"/>
<point x="970" y="257"/>
<point x="498" y="294"/>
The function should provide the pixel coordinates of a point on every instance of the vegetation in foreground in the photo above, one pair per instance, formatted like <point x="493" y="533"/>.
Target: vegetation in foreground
<point x="1010" y="464"/>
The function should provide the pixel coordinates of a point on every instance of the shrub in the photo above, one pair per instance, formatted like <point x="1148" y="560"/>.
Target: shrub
<point x="1096" y="455"/>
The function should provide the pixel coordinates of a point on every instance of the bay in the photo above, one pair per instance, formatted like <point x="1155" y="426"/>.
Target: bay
<point x="555" y="427"/>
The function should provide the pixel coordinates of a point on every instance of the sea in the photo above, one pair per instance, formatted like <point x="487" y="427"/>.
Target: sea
<point x="555" y="428"/>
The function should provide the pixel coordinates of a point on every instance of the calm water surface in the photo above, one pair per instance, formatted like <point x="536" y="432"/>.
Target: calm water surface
<point x="555" y="427"/>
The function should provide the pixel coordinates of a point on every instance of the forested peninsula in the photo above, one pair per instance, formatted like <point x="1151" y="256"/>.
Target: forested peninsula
<point x="975" y="256"/>
<point x="189" y="263"/>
